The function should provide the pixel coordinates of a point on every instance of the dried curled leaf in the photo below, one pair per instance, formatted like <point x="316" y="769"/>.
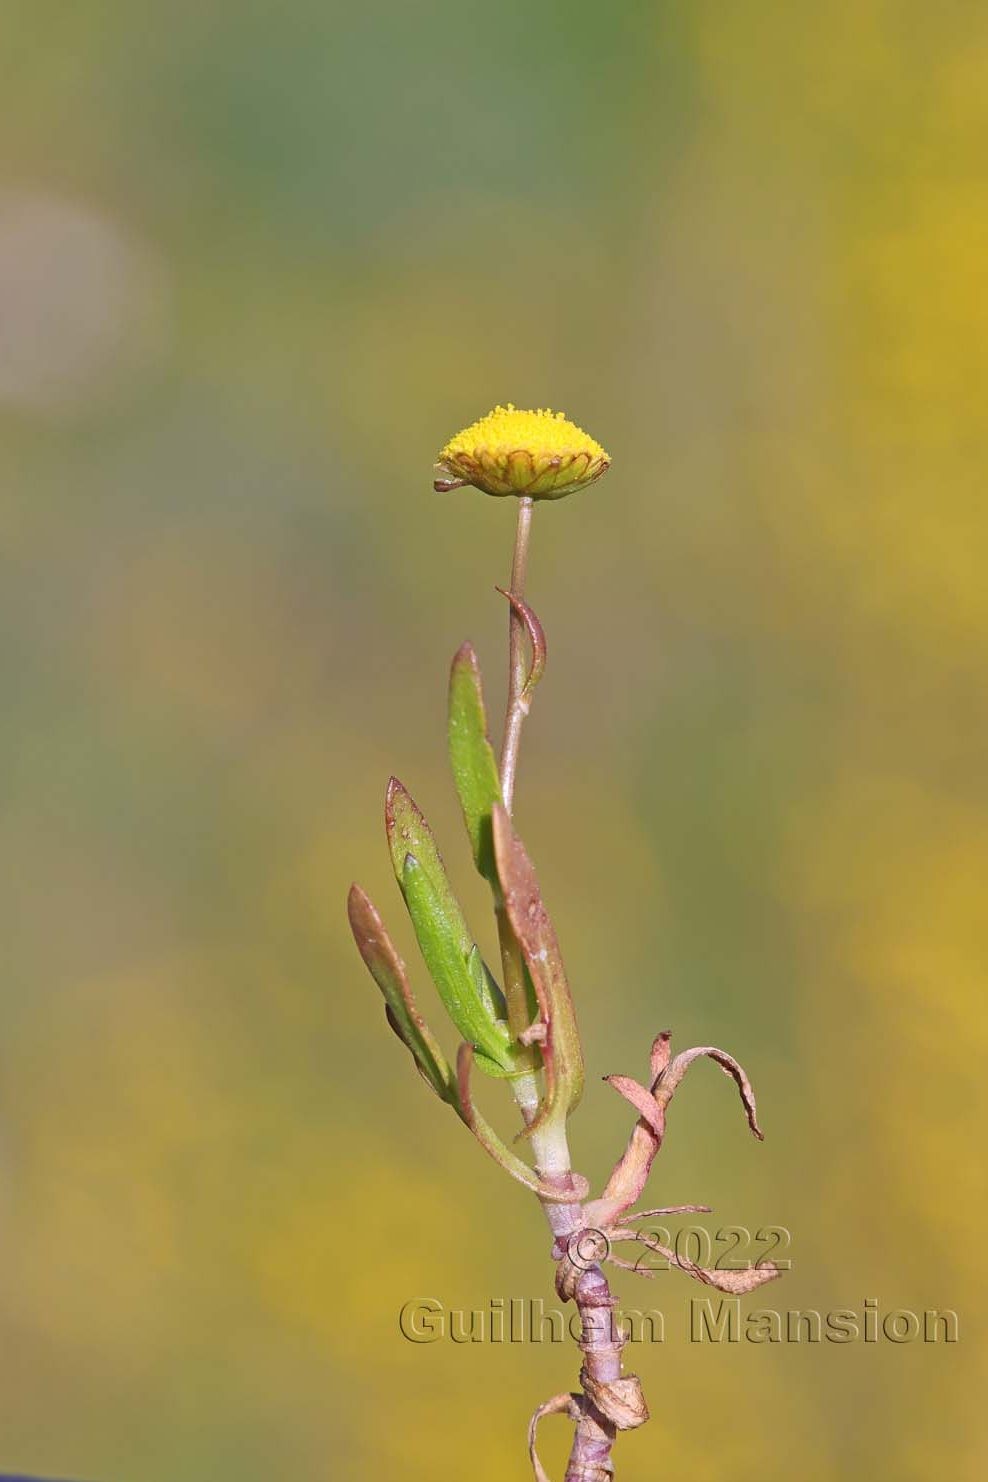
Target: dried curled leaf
<point x="659" y="1054"/>
<point x="630" y="1173"/>
<point x="673" y="1074"/>
<point x="652" y="1214"/>
<point x="536" y="637"/>
<point x="737" y="1283"/>
<point x="558" y="1405"/>
<point x="621" y="1400"/>
<point x="642" y="1100"/>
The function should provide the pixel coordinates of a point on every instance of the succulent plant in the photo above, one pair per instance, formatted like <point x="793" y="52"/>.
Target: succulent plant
<point x="523" y="1031"/>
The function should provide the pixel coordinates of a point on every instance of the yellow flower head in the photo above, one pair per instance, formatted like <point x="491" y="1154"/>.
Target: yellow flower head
<point x="511" y="452"/>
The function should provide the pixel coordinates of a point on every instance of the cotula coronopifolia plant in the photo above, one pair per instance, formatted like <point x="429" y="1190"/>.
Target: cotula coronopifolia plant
<point x="522" y="1031"/>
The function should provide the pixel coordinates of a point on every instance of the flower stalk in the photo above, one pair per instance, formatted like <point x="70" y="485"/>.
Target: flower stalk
<point x="523" y="1031"/>
<point x="518" y="701"/>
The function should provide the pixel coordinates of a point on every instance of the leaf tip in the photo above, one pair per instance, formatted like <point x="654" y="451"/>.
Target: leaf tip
<point x="466" y="655"/>
<point x="357" y="902"/>
<point x="397" y="800"/>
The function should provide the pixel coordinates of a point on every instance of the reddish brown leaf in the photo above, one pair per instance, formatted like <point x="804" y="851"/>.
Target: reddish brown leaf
<point x="388" y="971"/>
<point x="558" y="1405"/>
<point x="676" y="1070"/>
<point x="734" y="1282"/>
<point x="531" y="923"/>
<point x="536" y="637"/>
<point x="659" y="1058"/>
<point x="641" y="1099"/>
<point x="630" y="1173"/>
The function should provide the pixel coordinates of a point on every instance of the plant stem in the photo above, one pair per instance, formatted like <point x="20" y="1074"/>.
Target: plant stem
<point x="516" y="710"/>
<point x="515" y="991"/>
<point x="549" y="1145"/>
<point x="600" y="1341"/>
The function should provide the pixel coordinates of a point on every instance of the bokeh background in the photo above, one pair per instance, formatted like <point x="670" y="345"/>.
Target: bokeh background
<point x="257" y="262"/>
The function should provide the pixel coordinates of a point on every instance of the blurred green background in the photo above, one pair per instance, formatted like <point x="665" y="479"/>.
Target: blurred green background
<point x="257" y="263"/>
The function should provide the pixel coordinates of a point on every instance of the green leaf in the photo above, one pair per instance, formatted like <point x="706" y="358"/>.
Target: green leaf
<point x="440" y="933"/>
<point x="488" y="989"/>
<point x="472" y="758"/>
<point x="478" y="785"/>
<point x="472" y="999"/>
<point x="388" y="971"/>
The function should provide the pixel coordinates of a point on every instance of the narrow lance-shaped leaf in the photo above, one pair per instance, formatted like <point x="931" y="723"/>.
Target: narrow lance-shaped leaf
<point x="463" y="985"/>
<point x="470" y="996"/>
<point x="388" y="971"/>
<point x="476" y="775"/>
<point x="472" y="758"/>
<point x="562" y="1052"/>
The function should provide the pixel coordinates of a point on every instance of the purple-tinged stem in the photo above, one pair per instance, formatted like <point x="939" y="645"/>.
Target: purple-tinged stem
<point x="601" y="1340"/>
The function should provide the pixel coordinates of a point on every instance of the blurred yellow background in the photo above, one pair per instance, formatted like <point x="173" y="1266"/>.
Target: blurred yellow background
<point x="257" y="263"/>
